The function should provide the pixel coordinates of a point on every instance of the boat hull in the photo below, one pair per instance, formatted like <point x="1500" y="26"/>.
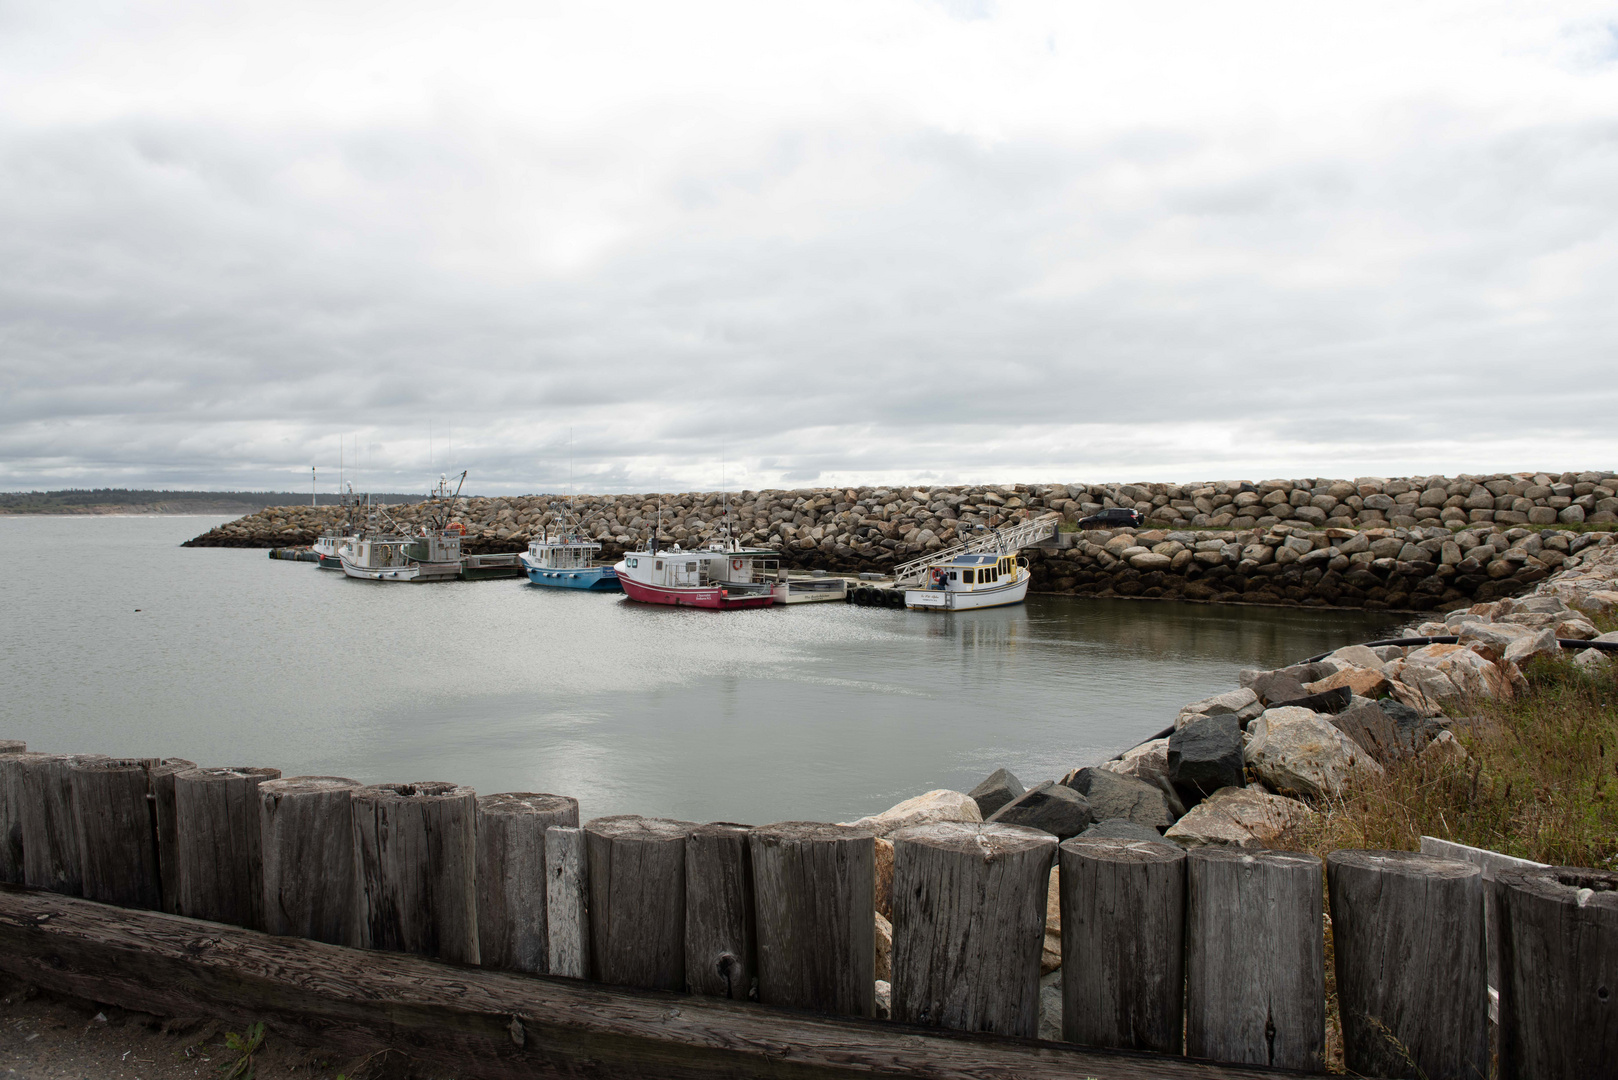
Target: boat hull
<point x="975" y="600"/>
<point x="328" y="562"/>
<point x="712" y="597"/>
<point x="411" y="572"/>
<point x="589" y="578"/>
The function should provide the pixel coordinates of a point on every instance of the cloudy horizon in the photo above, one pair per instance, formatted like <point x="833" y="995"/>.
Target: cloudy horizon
<point x="662" y="247"/>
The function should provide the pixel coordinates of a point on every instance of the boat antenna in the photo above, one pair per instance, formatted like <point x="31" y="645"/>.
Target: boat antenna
<point x="311" y="485"/>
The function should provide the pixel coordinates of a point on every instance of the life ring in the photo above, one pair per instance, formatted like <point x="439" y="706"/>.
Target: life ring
<point x="735" y="564"/>
<point x="455" y="527"/>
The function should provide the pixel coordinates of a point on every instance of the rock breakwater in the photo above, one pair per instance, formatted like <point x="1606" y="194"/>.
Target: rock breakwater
<point x="1197" y="541"/>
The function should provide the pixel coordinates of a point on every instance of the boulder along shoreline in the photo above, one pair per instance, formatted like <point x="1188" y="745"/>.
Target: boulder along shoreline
<point x="1410" y="544"/>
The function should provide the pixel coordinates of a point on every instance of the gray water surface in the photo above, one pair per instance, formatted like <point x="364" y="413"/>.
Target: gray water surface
<point x="822" y="711"/>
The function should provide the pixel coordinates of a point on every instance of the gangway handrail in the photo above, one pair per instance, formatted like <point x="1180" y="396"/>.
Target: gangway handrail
<point x="1005" y="540"/>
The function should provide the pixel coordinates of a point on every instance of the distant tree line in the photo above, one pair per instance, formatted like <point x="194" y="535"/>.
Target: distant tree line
<point x="45" y="502"/>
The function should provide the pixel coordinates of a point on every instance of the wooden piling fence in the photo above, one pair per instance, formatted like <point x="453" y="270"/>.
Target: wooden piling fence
<point x="814" y="896"/>
<point x="567" y="902"/>
<point x="512" y="924"/>
<point x="219" y="847"/>
<point x="117" y="832"/>
<point x="636" y="868"/>
<point x="307" y="838"/>
<point x="11" y="801"/>
<point x="1557" y="940"/>
<point x="415" y="847"/>
<point x="969" y="902"/>
<point x="783" y="915"/>
<point x="1412" y="990"/>
<point x="721" y="937"/>
<point x="1123" y="944"/>
<point x="1255" y="981"/>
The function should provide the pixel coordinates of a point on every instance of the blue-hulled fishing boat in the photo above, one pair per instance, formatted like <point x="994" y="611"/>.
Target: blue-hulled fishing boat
<point x="567" y="561"/>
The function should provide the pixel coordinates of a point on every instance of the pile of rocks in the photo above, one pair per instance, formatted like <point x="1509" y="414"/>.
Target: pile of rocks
<point x="1414" y="568"/>
<point x="1248" y="767"/>
<point x="881" y="522"/>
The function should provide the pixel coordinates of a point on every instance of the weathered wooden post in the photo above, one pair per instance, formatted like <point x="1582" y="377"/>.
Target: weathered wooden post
<point x="512" y="926"/>
<point x="1254" y="958"/>
<point x="814" y="898"/>
<point x="721" y="942"/>
<point x="13" y="746"/>
<point x="1557" y="937"/>
<point x="637" y="900"/>
<point x="50" y="831"/>
<point x="567" y="907"/>
<point x="117" y="832"/>
<point x="969" y="925"/>
<point x="11" y="868"/>
<point x="307" y="835"/>
<point x="415" y="846"/>
<point x="219" y="846"/>
<point x="1407" y="933"/>
<point x="1123" y="944"/>
<point x="160" y="773"/>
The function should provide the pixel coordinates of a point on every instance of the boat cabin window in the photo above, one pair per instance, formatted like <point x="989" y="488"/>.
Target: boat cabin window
<point x="953" y="576"/>
<point x="659" y="565"/>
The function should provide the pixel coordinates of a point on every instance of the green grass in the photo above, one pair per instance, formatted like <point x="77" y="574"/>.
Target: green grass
<point x="1539" y="780"/>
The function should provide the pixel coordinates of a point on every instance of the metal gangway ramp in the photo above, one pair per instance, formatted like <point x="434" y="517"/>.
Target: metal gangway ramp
<point x="1003" y="541"/>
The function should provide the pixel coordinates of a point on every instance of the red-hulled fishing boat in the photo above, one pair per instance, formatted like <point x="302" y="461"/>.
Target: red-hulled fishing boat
<point x="720" y="577"/>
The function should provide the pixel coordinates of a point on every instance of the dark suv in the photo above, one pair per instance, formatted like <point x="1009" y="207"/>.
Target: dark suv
<point x="1111" y="518"/>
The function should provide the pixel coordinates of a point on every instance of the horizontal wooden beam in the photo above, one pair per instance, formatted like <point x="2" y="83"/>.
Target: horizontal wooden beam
<point x="497" y="1025"/>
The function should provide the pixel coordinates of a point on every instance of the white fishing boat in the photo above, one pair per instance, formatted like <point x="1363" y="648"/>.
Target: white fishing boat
<point x="435" y="556"/>
<point x="432" y="553"/>
<point x="971" y="581"/>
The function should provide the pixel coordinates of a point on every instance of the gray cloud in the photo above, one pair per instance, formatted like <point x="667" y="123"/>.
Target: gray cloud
<point x="818" y="275"/>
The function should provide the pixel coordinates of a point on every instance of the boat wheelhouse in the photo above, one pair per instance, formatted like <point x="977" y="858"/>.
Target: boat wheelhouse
<point x="568" y="561"/>
<point x="718" y="577"/>
<point x="970" y="581"/>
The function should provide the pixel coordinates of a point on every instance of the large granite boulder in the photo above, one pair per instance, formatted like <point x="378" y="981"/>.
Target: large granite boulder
<point x="1000" y="788"/>
<point x="1206" y="755"/>
<point x="1359" y="681"/>
<point x="1242" y="704"/>
<point x="1275" y="686"/>
<point x="1447" y="675"/>
<point x="1541" y="642"/>
<point x="1112" y="795"/>
<point x="1240" y="817"/>
<point x="1294" y="749"/>
<point x="939" y="805"/>
<point x="1121" y="829"/>
<point x="1142" y="762"/>
<point x="1334" y="700"/>
<point x="1050" y="806"/>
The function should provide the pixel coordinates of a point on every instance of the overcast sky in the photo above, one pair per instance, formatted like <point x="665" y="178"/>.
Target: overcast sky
<point x="820" y="243"/>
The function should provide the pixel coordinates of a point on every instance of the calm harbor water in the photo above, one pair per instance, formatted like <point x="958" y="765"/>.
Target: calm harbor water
<point x="824" y="711"/>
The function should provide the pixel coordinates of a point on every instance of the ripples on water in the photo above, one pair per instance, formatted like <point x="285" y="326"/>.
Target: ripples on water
<point x="823" y="711"/>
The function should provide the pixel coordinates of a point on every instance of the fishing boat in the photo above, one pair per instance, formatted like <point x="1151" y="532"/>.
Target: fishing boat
<point x="568" y="561"/>
<point x="432" y="553"/>
<point x="721" y="577"/>
<point x="970" y="581"/>
<point x="329" y="545"/>
<point x="432" y="556"/>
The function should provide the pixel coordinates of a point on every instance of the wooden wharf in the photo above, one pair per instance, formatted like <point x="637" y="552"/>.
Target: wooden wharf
<point x="508" y="940"/>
